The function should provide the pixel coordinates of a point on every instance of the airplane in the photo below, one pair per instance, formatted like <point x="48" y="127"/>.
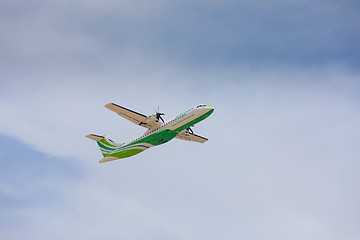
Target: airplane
<point x="157" y="132"/>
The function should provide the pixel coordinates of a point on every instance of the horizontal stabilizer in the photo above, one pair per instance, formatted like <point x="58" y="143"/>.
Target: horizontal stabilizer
<point x="108" y="159"/>
<point x="104" y="139"/>
<point x="94" y="137"/>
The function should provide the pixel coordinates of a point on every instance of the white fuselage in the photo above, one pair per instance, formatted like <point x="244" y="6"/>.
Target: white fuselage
<point x="177" y="122"/>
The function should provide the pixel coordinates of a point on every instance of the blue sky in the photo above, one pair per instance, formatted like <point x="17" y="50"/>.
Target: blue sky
<point x="282" y="157"/>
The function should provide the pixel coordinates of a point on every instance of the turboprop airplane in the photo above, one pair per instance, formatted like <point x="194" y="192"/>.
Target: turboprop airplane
<point x="157" y="133"/>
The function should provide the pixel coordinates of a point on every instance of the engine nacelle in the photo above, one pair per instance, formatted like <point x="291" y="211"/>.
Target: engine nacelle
<point x="151" y="122"/>
<point x="151" y="118"/>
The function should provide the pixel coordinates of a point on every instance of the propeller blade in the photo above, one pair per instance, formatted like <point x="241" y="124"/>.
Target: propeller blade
<point x="158" y="114"/>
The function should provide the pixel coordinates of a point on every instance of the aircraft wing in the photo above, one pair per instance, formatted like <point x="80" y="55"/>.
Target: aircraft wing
<point x="130" y="115"/>
<point x="185" y="135"/>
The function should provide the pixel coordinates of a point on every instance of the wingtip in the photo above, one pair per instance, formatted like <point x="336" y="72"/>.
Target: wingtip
<point x="108" y="104"/>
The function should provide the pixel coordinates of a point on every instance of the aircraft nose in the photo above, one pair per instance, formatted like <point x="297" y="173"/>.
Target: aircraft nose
<point x="210" y="109"/>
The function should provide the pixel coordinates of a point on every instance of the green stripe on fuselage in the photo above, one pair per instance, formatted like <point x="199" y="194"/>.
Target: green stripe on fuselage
<point x="184" y="112"/>
<point x="154" y="139"/>
<point x="157" y="138"/>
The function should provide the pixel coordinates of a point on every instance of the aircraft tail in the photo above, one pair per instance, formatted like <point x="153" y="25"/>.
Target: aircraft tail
<point x="105" y="144"/>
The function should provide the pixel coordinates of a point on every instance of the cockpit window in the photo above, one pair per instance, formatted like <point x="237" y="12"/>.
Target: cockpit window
<point x="201" y="105"/>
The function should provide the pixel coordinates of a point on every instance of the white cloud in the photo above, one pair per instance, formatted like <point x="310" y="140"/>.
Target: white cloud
<point x="280" y="162"/>
<point x="273" y="159"/>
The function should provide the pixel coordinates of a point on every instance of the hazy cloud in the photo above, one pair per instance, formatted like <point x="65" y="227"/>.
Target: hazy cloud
<point x="282" y="157"/>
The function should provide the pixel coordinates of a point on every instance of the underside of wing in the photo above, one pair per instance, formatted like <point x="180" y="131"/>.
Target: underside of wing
<point x="135" y="117"/>
<point x="187" y="136"/>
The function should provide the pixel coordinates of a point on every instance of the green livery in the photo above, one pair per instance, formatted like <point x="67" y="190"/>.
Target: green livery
<point x="158" y="133"/>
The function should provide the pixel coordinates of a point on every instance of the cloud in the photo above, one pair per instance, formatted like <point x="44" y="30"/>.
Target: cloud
<point x="282" y="153"/>
<point x="59" y="36"/>
<point x="279" y="149"/>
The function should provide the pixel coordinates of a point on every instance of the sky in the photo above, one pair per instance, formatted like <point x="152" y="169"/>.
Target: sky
<point x="282" y="158"/>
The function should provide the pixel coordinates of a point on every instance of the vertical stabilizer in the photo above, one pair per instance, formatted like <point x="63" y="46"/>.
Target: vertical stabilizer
<point x="105" y="144"/>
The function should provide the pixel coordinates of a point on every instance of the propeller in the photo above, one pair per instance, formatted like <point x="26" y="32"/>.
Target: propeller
<point x="158" y="114"/>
